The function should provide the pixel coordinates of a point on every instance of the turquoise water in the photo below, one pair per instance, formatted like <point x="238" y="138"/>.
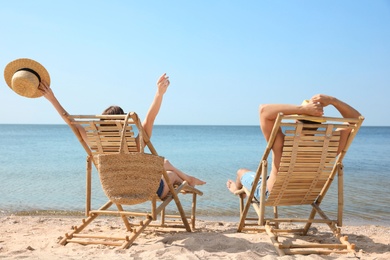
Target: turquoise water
<point x="42" y="168"/>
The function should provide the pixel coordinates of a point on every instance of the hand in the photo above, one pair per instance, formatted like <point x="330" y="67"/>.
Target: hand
<point x="323" y="99"/>
<point x="163" y="83"/>
<point x="46" y="91"/>
<point x="44" y="88"/>
<point x="314" y="108"/>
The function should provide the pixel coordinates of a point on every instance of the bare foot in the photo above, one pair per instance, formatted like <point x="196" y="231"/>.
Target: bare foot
<point x="195" y="181"/>
<point x="231" y="185"/>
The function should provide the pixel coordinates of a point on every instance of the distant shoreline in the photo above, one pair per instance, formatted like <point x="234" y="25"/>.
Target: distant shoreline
<point x="81" y="214"/>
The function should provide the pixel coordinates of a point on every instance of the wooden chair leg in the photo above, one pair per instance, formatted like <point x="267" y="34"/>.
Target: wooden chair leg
<point x="276" y="215"/>
<point x="162" y="222"/>
<point x="193" y="211"/>
<point x="340" y="186"/>
<point x="274" y="239"/>
<point x="124" y="218"/>
<point x="88" y="186"/>
<point x="86" y="222"/>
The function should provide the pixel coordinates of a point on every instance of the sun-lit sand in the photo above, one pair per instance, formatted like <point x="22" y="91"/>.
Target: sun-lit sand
<point x="36" y="237"/>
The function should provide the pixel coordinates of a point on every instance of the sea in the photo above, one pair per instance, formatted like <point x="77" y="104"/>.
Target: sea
<point x="42" y="171"/>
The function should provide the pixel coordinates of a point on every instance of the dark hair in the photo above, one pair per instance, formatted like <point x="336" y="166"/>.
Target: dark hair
<point x="113" y="110"/>
<point x="308" y="121"/>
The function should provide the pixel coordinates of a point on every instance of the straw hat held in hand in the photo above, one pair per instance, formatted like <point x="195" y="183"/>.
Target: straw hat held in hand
<point x="24" y="77"/>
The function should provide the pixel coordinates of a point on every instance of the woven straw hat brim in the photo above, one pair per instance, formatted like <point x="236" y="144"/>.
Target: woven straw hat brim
<point x="23" y="63"/>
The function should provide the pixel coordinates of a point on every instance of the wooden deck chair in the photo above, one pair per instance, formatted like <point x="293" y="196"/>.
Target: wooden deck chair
<point x="128" y="176"/>
<point x="308" y="167"/>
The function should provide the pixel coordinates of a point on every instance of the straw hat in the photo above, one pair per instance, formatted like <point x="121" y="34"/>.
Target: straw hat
<point x="24" y="75"/>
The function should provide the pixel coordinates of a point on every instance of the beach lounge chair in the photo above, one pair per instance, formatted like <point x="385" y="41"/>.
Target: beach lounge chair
<point x="129" y="176"/>
<point x="308" y="167"/>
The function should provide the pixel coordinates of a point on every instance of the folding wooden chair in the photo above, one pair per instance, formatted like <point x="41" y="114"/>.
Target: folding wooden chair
<point x="129" y="176"/>
<point x="309" y="164"/>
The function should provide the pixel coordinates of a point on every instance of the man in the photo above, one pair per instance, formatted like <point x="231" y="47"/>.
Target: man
<point x="268" y="114"/>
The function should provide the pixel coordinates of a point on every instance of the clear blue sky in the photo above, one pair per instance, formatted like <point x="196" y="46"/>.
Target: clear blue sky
<point x="224" y="58"/>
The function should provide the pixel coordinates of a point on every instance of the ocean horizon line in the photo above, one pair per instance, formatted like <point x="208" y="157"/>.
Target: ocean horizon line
<point x="64" y="124"/>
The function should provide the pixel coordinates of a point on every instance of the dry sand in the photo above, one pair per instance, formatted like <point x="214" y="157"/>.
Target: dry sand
<point x="36" y="237"/>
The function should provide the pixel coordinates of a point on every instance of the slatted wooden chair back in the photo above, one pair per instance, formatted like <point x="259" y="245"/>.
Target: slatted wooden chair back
<point x="308" y="159"/>
<point x="104" y="133"/>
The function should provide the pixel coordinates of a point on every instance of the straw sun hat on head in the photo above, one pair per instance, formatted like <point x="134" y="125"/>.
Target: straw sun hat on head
<point x="305" y="102"/>
<point x="24" y="76"/>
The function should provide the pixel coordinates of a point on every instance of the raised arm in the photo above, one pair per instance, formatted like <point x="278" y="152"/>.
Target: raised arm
<point x="269" y="112"/>
<point x="162" y="86"/>
<point x="49" y="95"/>
<point x="345" y="110"/>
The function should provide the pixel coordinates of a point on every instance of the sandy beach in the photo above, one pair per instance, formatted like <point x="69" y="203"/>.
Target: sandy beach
<point x="36" y="237"/>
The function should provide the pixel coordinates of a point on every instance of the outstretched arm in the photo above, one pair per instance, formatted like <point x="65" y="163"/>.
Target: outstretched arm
<point x="162" y="86"/>
<point x="49" y="95"/>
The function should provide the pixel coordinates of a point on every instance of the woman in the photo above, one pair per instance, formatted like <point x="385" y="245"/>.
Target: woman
<point x="174" y="174"/>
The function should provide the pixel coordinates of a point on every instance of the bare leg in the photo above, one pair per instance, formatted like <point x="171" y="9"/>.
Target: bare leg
<point x="173" y="178"/>
<point x="185" y="177"/>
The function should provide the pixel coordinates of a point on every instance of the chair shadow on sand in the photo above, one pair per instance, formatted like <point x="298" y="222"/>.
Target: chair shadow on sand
<point x="364" y="244"/>
<point x="213" y="242"/>
<point x="368" y="245"/>
<point x="227" y="240"/>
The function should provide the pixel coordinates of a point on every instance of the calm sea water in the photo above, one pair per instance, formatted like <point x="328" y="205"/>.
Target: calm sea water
<point x="42" y="169"/>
